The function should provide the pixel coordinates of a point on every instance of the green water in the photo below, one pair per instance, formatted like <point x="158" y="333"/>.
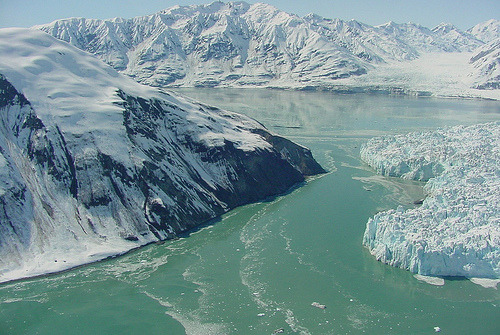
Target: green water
<point x="258" y="269"/>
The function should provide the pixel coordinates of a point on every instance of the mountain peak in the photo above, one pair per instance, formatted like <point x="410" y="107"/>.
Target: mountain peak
<point x="444" y="27"/>
<point x="230" y="8"/>
<point x="313" y="17"/>
<point x="487" y="31"/>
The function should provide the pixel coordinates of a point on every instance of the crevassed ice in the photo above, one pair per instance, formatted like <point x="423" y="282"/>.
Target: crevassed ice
<point x="456" y="231"/>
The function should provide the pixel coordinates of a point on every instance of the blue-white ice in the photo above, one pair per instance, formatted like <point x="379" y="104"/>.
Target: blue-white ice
<point x="456" y="231"/>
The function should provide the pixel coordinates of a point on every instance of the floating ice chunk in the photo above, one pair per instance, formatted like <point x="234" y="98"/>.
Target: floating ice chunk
<point x="318" y="305"/>
<point x="437" y="329"/>
<point x="430" y="280"/>
<point x="486" y="282"/>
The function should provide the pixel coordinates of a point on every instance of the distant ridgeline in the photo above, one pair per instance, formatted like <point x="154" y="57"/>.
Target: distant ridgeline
<point x="93" y="164"/>
<point x="236" y="44"/>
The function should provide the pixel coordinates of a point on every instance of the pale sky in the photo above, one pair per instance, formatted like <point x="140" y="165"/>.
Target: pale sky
<point x="463" y="14"/>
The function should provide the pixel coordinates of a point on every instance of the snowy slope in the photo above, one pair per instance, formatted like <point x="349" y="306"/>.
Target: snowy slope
<point x="93" y="164"/>
<point x="373" y="44"/>
<point x="454" y="37"/>
<point x="239" y="45"/>
<point x="486" y="59"/>
<point x="486" y="31"/>
<point x="456" y="231"/>
<point x="486" y="62"/>
<point x="433" y="74"/>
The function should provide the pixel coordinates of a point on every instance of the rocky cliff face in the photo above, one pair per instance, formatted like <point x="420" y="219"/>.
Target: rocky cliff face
<point x="93" y="164"/>
<point x="237" y="44"/>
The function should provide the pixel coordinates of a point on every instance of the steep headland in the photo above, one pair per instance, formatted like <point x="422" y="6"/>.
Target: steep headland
<point x="93" y="164"/>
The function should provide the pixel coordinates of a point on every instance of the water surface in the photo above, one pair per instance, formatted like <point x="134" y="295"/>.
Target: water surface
<point x="258" y="269"/>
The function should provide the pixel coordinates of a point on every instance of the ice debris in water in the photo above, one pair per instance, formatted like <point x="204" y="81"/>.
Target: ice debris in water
<point x="318" y="305"/>
<point x="456" y="230"/>
<point x="486" y="282"/>
<point x="430" y="280"/>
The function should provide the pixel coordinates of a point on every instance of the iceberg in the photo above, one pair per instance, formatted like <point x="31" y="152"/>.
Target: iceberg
<point x="456" y="230"/>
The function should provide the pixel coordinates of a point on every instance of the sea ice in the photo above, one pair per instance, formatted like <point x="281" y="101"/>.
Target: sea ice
<point x="456" y="230"/>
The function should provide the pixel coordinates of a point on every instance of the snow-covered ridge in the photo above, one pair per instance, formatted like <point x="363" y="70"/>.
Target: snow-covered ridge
<point x="486" y="31"/>
<point x="486" y="62"/>
<point x="236" y="44"/>
<point x="93" y="164"/>
<point x="456" y="231"/>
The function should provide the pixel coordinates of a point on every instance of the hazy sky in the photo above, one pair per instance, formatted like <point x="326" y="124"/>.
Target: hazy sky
<point x="463" y="14"/>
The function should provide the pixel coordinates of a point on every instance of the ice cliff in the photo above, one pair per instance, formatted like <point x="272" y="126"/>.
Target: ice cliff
<point x="456" y="231"/>
<point x="93" y="164"/>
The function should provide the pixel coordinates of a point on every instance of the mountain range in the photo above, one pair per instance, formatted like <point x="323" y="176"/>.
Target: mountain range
<point x="236" y="44"/>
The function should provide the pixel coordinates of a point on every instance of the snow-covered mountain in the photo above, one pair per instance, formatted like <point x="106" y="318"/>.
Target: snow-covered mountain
<point x="93" y="164"/>
<point x="211" y="45"/>
<point x="486" y="62"/>
<point x="486" y="59"/>
<point x="237" y="44"/>
<point x="373" y="44"/>
<point x="457" y="39"/>
<point x="486" y="31"/>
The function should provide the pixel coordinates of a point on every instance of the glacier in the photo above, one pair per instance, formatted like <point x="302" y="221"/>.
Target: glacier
<point x="93" y="164"/>
<point x="237" y="44"/>
<point x="456" y="230"/>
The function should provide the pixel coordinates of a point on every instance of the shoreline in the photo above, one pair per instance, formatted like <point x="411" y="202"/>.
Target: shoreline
<point x="185" y="234"/>
<point x="393" y="91"/>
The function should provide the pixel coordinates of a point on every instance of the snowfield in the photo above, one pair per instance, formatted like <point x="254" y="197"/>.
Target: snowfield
<point x="456" y="231"/>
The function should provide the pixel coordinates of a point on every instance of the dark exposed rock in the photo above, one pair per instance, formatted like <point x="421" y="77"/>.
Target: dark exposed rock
<point x="163" y="196"/>
<point x="300" y="157"/>
<point x="257" y="174"/>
